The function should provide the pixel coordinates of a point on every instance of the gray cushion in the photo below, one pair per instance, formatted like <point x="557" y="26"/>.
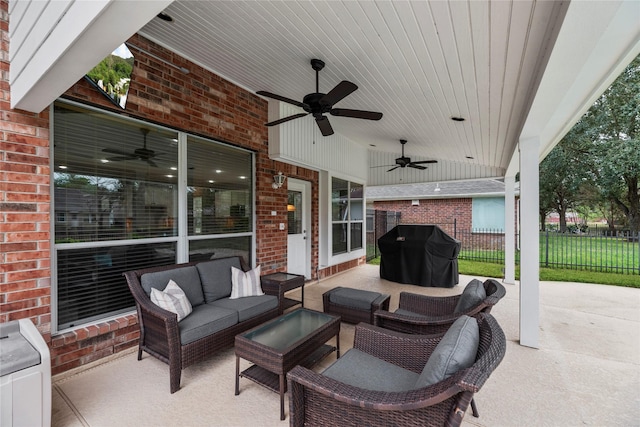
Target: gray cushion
<point x="473" y="294"/>
<point x="215" y="276"/>
<point x="186" y="278"/>
<point x="457" y="350"/>
<point x="355" y="298"/>
<point x="205" y="320"/>
<point x="404" y="312"/>
<point x="363" y="370"/>
<point x="248" y="307"/>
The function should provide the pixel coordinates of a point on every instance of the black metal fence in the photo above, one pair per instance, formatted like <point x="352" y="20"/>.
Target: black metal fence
<point x="614" y="252"/>
<point x="379" y="223"/>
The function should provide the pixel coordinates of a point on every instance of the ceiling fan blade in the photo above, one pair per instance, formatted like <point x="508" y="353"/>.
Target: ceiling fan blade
<point x="339" y="92"/>
<point x="121" y="158"/>
<point x="422" y="162"/>
<point x="392" y="169"/>
<point x="286" y="119"/>
<point x="152" y="163"/>
<point x="281" y="98"/>
<point x="381" y="166"/>
<point x="114" y="151"/>
<point x="356" y="114"/>
<point x="413" y="165"/>
<point x="324" y="125"/>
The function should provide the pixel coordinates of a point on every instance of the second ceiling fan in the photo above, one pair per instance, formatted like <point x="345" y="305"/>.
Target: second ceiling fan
<point x="318" y="103"/>
<point x="403" y="162"/>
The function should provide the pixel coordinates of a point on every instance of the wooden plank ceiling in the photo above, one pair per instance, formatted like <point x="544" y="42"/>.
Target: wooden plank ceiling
<point x="418" y="62"/>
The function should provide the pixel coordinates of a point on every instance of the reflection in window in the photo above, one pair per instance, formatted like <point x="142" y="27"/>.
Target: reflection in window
<point x="202" y="250"/>
<point x="113" y="180"/>
<point x="347" y="215"/>
<point x="116" y="181"/>
<point x="294" y="212"/>
<point x="219" y="181"/>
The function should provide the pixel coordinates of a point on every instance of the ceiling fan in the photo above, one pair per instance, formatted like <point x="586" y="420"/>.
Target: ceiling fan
<point x="318" y="103"/>
<point x="403" y="162"/>
<point x="143" y="154"/>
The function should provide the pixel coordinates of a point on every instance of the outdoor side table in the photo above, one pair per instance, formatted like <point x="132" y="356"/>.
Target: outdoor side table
<point x="279" y="283"/>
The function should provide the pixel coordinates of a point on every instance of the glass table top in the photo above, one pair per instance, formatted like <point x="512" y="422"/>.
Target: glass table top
<point x="281" y="277"/>
<point x="288" y="329"/>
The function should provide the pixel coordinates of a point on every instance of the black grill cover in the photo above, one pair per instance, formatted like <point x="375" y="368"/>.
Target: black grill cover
<point x="419" y="255"/>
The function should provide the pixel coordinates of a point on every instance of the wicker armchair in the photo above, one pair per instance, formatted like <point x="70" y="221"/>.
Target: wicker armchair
<point x="434" y="314"/>
<point x="322" y="401"/>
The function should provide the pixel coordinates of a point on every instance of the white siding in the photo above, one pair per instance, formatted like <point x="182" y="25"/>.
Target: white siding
<point x="300" y="142"/>
<point x="380" y="163"/>
<point x="54" y="43"/>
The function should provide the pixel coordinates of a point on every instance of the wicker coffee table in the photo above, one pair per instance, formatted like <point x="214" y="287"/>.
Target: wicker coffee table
<point x="277" y="346"/>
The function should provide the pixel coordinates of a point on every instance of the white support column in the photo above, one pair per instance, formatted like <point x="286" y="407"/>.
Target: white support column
<point x="509" y="230"/>
<point x="529" y="246"/>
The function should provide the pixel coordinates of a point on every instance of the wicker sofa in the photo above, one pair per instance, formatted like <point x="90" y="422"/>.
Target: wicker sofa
<point x="323" y="400"/>
<point x="214" y="322"/>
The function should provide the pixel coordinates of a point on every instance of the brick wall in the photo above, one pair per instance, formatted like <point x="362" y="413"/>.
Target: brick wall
<point x="25" y="286"/>
<point x="442" y="212"/>
<point x="198" y="102"/>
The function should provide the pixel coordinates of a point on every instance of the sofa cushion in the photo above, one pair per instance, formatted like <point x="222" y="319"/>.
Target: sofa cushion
<point x="363" y="370"/>
<point x="248" y="307"/>
<point x="457" y="350"/>
<point x="187" y="277"/>
<point x="173" y="299"/>
<point x="473" y="294"/>
<point x="355" y="298"/>
<point x="215" y="276"/>
<point x="245" y="284"/>
<point x="204" y="321"/>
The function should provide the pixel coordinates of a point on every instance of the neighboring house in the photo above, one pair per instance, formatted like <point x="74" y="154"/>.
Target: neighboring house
<point x="472" y="205"/>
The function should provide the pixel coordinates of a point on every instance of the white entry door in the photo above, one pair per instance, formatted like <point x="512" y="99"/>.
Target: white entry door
<point x="299" y="225"/>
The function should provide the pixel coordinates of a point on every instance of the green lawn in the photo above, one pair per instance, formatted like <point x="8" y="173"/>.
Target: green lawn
<point x="593" y="253"/>
<point x="598" y="253"/>
<point x="486" y="269"/>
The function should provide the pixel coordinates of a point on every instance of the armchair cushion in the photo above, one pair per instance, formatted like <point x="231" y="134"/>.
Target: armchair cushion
<point x="457" y="350"/>
<point x="187" y="277"/>
<point x="363" y="370"/>
<point x="473" y="294"/>
<point x="172" y="299"/>
<point x="404" y="312"/>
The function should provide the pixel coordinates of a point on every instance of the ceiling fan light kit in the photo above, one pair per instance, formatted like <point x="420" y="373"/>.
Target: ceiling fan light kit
<point x="318" y="104"/>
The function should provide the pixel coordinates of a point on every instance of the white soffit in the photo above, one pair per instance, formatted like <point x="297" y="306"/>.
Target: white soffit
<point x="54" y="44"/>
<point x="598" y="39"/>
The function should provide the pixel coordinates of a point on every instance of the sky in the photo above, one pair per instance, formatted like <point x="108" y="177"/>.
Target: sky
<point x="122" y="52"/>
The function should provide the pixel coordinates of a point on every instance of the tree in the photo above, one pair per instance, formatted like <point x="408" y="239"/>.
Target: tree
<point x="561" y="177"/>
<point x="613" y="125"/>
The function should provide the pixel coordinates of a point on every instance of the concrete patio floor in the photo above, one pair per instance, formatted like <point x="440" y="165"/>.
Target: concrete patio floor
<point x="586" y="371"/>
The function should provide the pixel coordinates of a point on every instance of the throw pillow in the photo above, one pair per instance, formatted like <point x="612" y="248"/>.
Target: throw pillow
<point x="172" y="299"/>
<point x="457" y="350"/>
<point x="245" y="284"/>
<point x="473" y="293"/>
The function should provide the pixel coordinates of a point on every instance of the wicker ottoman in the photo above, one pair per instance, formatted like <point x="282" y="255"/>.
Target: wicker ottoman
<point x="354" y="305"/>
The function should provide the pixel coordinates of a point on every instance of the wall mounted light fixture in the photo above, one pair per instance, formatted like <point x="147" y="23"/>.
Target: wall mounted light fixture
<point x="437" y="189"/>
<point x="278" y="180"/>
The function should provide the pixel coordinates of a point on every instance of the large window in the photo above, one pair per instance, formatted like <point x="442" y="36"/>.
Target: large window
<point x="118" y="206"/>
<point x="488" y="214"/>
<point x="347" y="216"/>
